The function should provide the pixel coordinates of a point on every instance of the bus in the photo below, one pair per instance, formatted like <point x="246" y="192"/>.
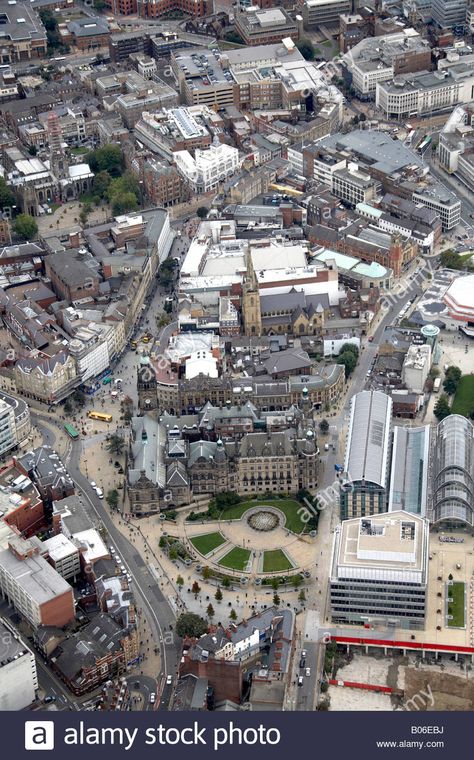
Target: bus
<point x="101" y="416"/>
<point x="71" y="431"/>
<point x="107" y="380"/>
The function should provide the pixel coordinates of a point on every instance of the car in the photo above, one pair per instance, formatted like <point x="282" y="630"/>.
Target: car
<point x="99" y="492"/>
<point x="93" y="484"/>
<point x="111" y="549"/>
<point x="300" y="680"/>
<point x="49" y="699"/>
<point x="307" y="672"/>
<point x="302" y="663"/>
<point x="152" y="698"/>
<point x="118" y="561"/>
<point x="169" y="680"/>
<point x="371" y="337"/>
<point x="303" y="653"/>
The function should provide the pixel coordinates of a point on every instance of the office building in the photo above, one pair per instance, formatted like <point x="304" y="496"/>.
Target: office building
<point x="262" y="27"/>
<point x="448" y="14"/>
<point x="322" y="12"/>
<point x="416" y="367"/>
<point x="425" y="93"/>
<point x="379" y="571"/>
<point x="366" y="466"/>
<point x="453" y="473"/>
<point x="18" y="676"/>
<point x="380" y="59"/>
<point x="409" y="470"/>
<point x="33" y="587"/>
<point x="207" y="168"/>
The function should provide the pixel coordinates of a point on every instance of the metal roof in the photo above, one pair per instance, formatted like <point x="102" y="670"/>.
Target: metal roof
<point x="368" y="438"/>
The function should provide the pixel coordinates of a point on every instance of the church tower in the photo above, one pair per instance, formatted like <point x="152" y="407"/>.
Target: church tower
<point x="58" y="160"/>
<point x="251" y="301"/>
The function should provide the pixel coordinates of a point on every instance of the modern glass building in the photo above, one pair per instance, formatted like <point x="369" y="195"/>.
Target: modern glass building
<point x="409" y="471"/>
<point x="453" y="473"/>
<point x="379" y="570"/>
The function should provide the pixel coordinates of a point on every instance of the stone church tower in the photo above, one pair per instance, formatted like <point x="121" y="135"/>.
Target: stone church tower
<point x="251" y="302"/>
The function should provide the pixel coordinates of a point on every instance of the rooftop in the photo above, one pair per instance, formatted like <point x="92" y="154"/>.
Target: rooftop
<point x="368" y="438"/>
<point x="390" y="546"/>
<point x="34" y="575"/>
<point x="409" y="471"/>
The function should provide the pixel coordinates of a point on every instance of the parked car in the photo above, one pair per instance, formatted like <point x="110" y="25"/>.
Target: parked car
<point x="302" y="662"/>
<point x="47" y="700"/>
<point x="152" y="698"/>
<point x="300" y="680"/>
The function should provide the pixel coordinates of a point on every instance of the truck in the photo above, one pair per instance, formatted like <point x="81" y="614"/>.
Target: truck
<point x="436" y="385"/>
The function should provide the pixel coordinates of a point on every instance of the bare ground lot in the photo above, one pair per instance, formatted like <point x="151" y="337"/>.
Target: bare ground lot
<point x="435" y="687"/>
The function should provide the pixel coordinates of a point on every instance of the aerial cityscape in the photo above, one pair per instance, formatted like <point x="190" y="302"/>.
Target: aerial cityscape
<point x="236" y="355"/>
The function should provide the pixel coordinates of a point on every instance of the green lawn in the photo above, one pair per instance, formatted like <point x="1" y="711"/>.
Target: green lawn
<point x="236" y="559"/>
<point x="464" y="399"/>
<point x="456" y="608"/>
<point x="289" y="507"/>
<point x="275" y="560"/>
<point x="207" y="542"/>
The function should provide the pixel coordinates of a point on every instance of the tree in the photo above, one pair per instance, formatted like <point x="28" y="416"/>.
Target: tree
<point x="452" y="377"/>
<point x="349" y="360"/>
<point x="275" y="584"/>
<point x="349" y="347"/>
<point x="218" y="595"/>
<point x="276" y="600"/>
<point x="79" y="398"/>
<point x="324" y="426"/>
<point x="306" y="49"/>
<point x="115" y="444"/>
<point x="112" y="499"/>
<point x="68" y="407"/>
<point x="442" y="408"/>
<point x="25" y="226"/>
<point x="302" y="596"/>
<point x="206" y="572"/>
<point x="210" y="611"/>
<point x="202" y="212"/>
<point x="173" y="552"/>
<point x="123" y="203"/>
<point x="196" y="589"/>
<point x="190" y="624"/>
<point x="6" y="196"/>
<point x="451" y="260"/>
<point x="101" y="183"/>
<point x="225" y="582"/>
<point x="180" y="582"/>
<point x="234" y="37"/>
<point x="233" y="615"/>
<point x="109" y="158"/>
<point x="162" y="543"/>
<point x="296" y="581"/>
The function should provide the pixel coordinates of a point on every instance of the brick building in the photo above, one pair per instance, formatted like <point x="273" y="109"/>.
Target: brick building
<point x="33" y="587"/>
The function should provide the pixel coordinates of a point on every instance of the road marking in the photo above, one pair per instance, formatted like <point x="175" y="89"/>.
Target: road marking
<point x="143" y="595"/>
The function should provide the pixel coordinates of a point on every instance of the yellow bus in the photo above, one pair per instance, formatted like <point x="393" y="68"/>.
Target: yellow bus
<point x="101" y="416"/>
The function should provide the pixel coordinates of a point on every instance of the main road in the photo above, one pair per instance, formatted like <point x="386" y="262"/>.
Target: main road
<point x="147" y="591"/>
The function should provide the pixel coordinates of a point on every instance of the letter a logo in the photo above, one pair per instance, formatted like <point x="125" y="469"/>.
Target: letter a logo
<point x="39" y="734"/>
